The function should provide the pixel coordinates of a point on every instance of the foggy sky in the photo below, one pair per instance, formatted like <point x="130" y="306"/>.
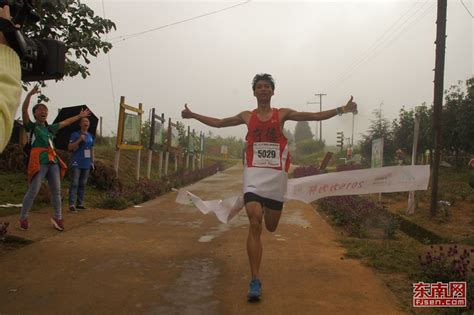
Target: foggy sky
<point x="308" y="46"/>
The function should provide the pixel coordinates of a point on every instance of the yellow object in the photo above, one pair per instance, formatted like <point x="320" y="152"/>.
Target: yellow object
<point x="10" y="92"/>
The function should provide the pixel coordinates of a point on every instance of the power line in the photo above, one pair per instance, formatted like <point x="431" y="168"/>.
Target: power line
<point x="125" y="37"/>
<point x="110" y="69"/>
<point x="386" y="39"/>
<point x="467" y="9"/>
<point x="382" y="37"/>
<point x="412" y="23"/>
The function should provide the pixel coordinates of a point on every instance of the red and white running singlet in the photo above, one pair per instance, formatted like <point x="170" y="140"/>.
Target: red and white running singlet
<point x="267" y="158"/>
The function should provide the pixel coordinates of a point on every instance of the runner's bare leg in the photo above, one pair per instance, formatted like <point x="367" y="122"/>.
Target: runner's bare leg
<point x="272" y="217"/>
<point x="254" y="242"/>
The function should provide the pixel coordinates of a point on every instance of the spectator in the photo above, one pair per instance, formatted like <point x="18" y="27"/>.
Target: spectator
<point x="81" y="143"/>
<point x="43" y="161"/>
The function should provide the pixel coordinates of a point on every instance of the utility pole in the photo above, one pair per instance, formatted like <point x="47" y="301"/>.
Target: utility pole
<point x="316" y="129"/>
<point x="320" y="110"/>
<point x="352" y="137"/>
<point x="438" y="99"/>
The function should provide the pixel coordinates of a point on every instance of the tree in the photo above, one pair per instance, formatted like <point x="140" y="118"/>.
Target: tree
<point x="425" y="140"/>
<point x="183" y="134"/>
<point x="457" y="126"/>
<point x="379" y="128"/>
<point x="291" y="140"/>
<point x="302" y="131"/>
<point x="458" y="119"/>
<point x="288" y="135"/>
<point x="309" y="146"/>
<point x="75" y="24"/>
<point x="403" y="130"/>
<point x="234" y="145"/>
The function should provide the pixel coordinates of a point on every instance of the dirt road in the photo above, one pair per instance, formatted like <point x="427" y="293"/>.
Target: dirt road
<point x="165" y="258"/>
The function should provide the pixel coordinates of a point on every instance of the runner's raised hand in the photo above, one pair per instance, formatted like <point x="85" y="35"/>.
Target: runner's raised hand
<point x="186" y="112"/>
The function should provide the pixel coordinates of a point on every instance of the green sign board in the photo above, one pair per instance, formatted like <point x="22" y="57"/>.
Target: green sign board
<point x="131" y="129"/>
<point x="191" y="144"/>
<point x="377" y="153"/>
<point x="158" y="137"/>
<point x="174" y="137"/>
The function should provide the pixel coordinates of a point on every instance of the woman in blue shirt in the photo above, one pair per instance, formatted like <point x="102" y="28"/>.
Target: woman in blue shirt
<point x="81" y="143"/>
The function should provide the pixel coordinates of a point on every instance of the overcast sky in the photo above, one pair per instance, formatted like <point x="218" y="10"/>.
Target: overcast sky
<point x="381" y="52"/>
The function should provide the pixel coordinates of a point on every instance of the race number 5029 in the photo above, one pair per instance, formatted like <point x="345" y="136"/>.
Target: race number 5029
<point x="266" y="154"/>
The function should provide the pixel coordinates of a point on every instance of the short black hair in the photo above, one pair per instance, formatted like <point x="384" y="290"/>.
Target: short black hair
<point x="38" y="105"/>
<point x="263" y="76"/>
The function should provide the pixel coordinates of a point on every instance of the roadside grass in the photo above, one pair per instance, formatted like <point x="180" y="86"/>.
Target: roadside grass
<point x="12" y="189"/>
<point x="396" y="261"/>
<point x="399" y="255"/>
<point x="13" y="185"/>
<point x="455" y="222"/>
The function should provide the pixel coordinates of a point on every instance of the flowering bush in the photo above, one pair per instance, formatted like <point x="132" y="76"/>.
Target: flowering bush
<point x="104" y="177"/>
<point x="121" y="197"/>
<point x="356" y="215"/>
<point x="447" y="266"/>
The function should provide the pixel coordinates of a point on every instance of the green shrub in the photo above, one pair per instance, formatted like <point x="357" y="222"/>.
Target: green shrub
<point x="115" y="203"/>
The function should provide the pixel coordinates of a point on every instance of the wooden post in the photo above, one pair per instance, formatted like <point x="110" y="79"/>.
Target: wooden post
<point x="193" y="157"/>
<point x="160" y="164"/>
<point x="201" y="148"/>
<point x="187" y="149"/>
<point x="139" y="153"/>
<point x="150" y="156"/>
<point x="117" y="161"/>
<point x="176" y="157"/>
<point x="167" y="158"/>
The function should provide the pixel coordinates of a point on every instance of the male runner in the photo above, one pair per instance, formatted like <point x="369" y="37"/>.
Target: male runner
<point x="266" y="163"/>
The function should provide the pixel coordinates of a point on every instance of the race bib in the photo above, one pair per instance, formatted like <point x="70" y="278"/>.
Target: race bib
<point x="266" y="154"/>
<point x="87" y="153"/>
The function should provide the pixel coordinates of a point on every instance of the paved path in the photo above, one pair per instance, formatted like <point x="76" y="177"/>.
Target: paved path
<point x="165" y="258"/>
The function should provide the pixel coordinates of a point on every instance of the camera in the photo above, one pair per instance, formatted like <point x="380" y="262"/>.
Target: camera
<point x="41" y="58"/>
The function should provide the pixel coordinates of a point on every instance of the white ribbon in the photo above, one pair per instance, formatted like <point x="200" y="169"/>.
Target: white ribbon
<point x="311" y="188"/>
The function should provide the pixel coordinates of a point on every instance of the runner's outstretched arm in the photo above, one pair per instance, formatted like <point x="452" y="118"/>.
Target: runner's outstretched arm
<point x="290" y="114"/>
<point x="214" y="122"/>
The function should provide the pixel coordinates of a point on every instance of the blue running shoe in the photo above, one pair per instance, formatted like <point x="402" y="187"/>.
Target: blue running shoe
<point x="255" y="290"/>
